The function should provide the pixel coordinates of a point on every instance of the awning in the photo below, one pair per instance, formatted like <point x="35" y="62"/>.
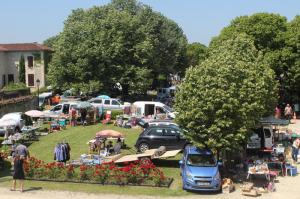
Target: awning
<point x="274" y="121"/>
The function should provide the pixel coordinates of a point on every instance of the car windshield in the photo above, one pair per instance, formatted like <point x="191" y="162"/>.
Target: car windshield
<point x="167" y="108"/>
<point x="201" y="160"/>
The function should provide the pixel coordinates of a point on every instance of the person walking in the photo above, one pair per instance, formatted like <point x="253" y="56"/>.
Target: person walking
<point x="288" y="112"/>
<point x="18" y="172"/>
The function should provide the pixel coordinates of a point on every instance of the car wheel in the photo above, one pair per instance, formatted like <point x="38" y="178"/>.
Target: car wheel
<point x="143" y="147"/>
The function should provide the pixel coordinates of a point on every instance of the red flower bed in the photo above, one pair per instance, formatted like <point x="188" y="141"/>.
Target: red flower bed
<point x="137" y="173"/>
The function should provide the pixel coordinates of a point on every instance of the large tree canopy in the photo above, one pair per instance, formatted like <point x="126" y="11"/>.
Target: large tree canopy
<point x="124" y="42"/>
<point x="292" y="58"/>
<point x="278" y="41"/>
<point x="223" y="97"/>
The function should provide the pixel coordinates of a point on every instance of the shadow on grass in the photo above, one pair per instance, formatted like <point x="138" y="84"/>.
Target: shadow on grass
<point x="33" y="189"/>
<point x="166" y="163"/>
<point x="6" y="171"/>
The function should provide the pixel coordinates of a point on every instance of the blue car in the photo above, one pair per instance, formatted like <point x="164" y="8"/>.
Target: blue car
<point x="200" y="170"/>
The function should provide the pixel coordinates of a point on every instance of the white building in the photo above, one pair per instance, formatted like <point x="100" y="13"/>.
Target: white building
<point x="34" y="55"/>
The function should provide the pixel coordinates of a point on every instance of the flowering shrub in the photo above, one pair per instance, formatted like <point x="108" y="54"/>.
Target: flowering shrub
<point x="139" y="172"/>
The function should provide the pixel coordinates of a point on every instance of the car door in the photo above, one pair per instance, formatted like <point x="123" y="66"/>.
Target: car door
<point x="268" y="137"/>
<point x="106" y="104"/>
<point x="156" y="137"/>
<point x="57" y="108"/>
<point x="115" y="104"/>
<point x="174" y="138"/>
<point x="65" y="109"/>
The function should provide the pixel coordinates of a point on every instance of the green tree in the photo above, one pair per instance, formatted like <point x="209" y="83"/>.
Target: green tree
<point x="291" y="58"/>
<point x="22" y="69"/>
<point x="267" y="30"/>
<point x="196" y="53"/>
<point x="123" y="42"/>
<point x="224" y="96"/>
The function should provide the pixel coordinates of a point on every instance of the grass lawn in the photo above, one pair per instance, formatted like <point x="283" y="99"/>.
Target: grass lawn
<point x="78" y="138"/>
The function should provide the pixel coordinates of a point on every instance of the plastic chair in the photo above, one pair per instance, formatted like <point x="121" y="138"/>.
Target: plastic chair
<point x="290" y="169"/>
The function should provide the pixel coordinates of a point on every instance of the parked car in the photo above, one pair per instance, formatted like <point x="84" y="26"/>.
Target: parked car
<point x="200" y="170"/>
<point x="108" y="103"/>
<point x="157" y="109"/>
<point x="43" y="98"/>
<point x="161" y="135"/>
<point x="162" y="122"/>
<point x="64" y="108"/>
<point x="14" y="122"/>
<point x="262" y="137"/>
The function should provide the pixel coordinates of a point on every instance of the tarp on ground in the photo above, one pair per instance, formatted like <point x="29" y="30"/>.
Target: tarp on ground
<point x="274" y="121"/>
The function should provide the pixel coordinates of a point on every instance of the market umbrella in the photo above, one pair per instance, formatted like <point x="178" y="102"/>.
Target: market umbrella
<point x="84" y="105"/>
<point x="34" y="113"/>
<point x="109" y="133"/>
<point x="51" y="115"/>
<point x="8" y="122"/>
<point x="103" y="97"/>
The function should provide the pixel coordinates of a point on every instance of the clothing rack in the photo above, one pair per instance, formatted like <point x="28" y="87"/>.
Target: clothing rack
<point x="62" y="151"/>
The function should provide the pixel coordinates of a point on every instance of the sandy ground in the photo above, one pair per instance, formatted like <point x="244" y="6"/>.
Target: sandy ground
<point x="286" y="188"/>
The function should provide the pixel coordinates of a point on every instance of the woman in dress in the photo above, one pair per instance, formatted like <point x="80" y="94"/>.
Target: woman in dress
<point x="18" y="172"/>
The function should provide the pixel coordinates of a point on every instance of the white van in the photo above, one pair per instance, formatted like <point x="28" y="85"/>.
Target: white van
<point x="261" y="138"/>
<point x="63" y="108"/>
<point x="166" y="92"/>
<point x="146" y="108"/>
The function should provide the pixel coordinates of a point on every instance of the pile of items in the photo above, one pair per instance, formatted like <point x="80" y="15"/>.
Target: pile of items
<point x="227" y="185"/>
<point x="249" y="190"/>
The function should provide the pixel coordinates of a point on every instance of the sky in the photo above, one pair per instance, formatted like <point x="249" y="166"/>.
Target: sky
<point x="24" y="21"/>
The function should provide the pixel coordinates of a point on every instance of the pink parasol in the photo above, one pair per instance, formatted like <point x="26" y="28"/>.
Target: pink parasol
<point x="35" y="113"/>
<point x="109" y="133"/>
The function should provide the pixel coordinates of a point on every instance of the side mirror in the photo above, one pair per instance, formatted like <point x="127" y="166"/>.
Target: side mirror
<point x="180" y="162"/>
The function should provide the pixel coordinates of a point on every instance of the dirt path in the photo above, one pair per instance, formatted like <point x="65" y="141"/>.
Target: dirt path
<point x="287" y="187"/>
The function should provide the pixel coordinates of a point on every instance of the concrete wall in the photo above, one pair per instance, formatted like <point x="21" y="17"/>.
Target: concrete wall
<point x="19" y="106"/>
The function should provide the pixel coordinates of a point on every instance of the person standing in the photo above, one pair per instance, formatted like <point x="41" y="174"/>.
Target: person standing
<point x="18" y="172"/>
<point x="277" y="112"/>
<point x="295" y="150"/>
<point x="288" y="112"/>
<point x="83" y="113"/>
<point x="22" y="150"/>
<point x="73" y="116"/>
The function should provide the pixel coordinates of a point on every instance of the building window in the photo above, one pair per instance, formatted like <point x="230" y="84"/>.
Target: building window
<point x="3" y="80"/>
<point x="30" y="79"/>
<point x="30" y="61"/>
<point x="10" y="78"/>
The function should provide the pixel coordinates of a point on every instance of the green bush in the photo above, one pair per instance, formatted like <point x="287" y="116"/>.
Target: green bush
<point x="115" y="113"/>
<point x="14" y="87"/>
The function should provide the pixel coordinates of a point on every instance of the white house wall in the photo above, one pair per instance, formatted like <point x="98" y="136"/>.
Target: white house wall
<point x="9" y="63"/>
